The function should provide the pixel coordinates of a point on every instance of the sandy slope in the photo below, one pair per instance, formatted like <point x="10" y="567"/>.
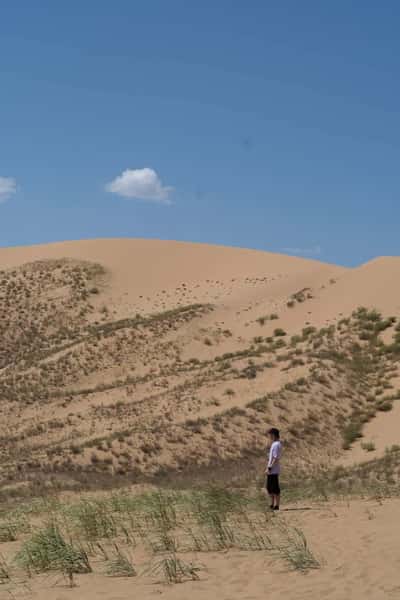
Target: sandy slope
<point x="152" y="276"/>
<point x="357" y="544"/>
<point x="147" y="274"/>
<point x="383" y="432"/>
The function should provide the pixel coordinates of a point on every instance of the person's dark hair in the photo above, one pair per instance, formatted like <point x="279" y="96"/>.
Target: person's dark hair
<point x="275" y="432"/>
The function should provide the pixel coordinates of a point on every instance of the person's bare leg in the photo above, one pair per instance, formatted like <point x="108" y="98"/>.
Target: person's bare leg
<point x="277" y="500"/>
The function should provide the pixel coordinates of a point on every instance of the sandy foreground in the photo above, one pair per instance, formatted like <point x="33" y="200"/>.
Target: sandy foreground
<point x="356" y="542"/>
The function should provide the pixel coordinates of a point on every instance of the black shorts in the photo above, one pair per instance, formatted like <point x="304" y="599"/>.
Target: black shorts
<point x="273" y="488"/>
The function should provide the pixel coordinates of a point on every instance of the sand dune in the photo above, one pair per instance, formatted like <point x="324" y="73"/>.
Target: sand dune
<point x="141" y="269"/>
<point x="251" y="294"/>
<point x="148" y="273"/>
<point x="128" y="361"/>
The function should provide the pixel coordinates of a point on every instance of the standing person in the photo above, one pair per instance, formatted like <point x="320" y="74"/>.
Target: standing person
<point x="274" y="468"/>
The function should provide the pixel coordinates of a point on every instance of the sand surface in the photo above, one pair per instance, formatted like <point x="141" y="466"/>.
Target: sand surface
<point x="144" y="277"/>
<point x="356" y="542"/>
<point x="147" y="274"/>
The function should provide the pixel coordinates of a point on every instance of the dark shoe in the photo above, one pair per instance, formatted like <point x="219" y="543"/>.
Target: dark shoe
<point x="275" y="508"/>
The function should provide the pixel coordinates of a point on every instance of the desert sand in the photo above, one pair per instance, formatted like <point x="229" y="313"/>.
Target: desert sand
<point x="356" y="541"/>
<point x="128" y="362"/>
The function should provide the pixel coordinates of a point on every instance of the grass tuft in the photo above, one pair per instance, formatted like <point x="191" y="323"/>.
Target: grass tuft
<point x="47" y="550"/>
<point x="120" y="564"/>
<point x="176" y="570"/>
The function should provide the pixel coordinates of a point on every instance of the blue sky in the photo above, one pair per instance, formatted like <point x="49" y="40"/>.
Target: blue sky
<point x="276" y="124"/>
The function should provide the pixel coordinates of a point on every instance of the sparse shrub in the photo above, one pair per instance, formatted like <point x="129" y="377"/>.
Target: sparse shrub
<point x="279" y="332"/>
<point x="385" y="406"/>
<point x="260" y="404"/>
<point x="280" y="343"/>
<point x="249" y="372"/>
<point x="368" y="446"/>
<point x="351" y="433"/>
<point x="4" y="571"/>
<point x="296" y="362"/>
<point x="307" y="331"/>
<point x="235" y="411"/>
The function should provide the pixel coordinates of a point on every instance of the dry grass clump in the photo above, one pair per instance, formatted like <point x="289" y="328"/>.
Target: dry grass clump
<point x="120" y="564"/>
<point x="175" y="570"/>
<point x="368" y="446"/>
<point x="47" y="550"/>
<point x="297" y="552"/>
<point x="299" y="297"/>
<point x="272" y="317"/>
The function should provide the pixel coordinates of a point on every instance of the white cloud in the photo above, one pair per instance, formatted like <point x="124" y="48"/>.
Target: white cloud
<point x="8" y="187"/>
<point x="314" y="251"/>
<point x="143" y="184"/>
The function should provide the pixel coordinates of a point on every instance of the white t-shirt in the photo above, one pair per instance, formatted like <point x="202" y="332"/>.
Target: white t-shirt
<point x="275" y="452"/>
